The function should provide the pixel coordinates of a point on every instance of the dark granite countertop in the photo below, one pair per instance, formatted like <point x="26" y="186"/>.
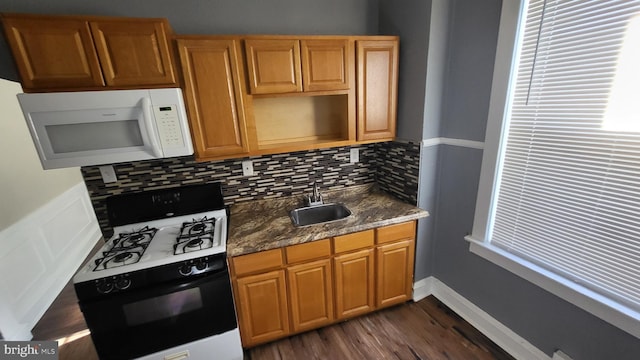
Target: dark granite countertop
<point x="265" y="224"/>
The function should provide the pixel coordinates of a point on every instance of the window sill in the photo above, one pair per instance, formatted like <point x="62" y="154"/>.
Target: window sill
<point x="606" y="309"/>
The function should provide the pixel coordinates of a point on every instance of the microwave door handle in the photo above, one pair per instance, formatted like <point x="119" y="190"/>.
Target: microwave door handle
<point x="146" y="112"/>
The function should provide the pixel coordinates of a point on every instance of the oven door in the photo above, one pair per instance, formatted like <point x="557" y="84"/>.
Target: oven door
<point x="129" y="325"/>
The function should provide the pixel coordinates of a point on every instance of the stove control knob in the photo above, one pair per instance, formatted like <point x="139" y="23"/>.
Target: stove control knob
<point x="185" y="269"/>
<point x="104" y="286"/>
<point x="201" y="265"/>
<point x="123" y="283"/>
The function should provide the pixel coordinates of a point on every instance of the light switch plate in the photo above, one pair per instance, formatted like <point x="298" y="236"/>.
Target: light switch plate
<point x="108" y="174"/>
<point x="354" y="155"/>
<point x="247" y="168"/>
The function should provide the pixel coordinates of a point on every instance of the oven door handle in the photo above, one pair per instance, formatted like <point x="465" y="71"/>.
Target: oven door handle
<point x="197" y="280"/>
<point x="192" y="282"/>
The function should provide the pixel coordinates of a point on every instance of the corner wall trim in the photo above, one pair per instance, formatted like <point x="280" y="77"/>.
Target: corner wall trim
<point x="453" y="142"/>
<point x="508" y="340"/>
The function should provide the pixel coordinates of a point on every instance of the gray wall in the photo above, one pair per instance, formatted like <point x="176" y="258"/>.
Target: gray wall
<point x="215" y="16"/>
<point x="543" y="319"/>
<point x="409" y="19"/>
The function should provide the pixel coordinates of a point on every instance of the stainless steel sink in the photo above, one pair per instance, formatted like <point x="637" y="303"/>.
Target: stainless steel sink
<point x="319" y="214"/>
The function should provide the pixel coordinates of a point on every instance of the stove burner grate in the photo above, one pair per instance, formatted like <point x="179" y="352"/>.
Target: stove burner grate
<point x="127" y="249"/>
<point x="195" y="235"/>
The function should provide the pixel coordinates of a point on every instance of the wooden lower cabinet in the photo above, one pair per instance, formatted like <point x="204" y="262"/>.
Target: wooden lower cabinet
<point x="394" y="273"/>
<point x="310" y="294"/>
<point x="262" y="307"/>
<point x="301" y="287"/>
<point x="354" y="279"/>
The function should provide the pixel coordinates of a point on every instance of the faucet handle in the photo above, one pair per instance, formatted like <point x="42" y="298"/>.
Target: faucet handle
<point x="316" y="197"/>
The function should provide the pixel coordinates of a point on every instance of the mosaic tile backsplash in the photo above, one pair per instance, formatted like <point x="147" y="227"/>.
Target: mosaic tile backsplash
<point x="394" y="165"/>
<point x="398" y="167"/>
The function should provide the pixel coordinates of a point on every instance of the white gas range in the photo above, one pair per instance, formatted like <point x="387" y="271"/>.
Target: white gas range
<point x="175" y="240"/>
<point x="160" y="286"/>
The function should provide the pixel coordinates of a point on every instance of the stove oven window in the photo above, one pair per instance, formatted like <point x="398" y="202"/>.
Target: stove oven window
<point x="162" y="307"/>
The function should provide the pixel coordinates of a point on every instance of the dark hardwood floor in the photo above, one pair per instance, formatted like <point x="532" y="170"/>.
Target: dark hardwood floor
<point x="423" y="330"/>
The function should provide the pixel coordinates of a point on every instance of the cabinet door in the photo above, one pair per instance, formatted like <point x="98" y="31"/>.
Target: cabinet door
<point x="310" y="294"/>
<point x="326" y="64"/>
<point x="53" y="53"/>
<point x="354" y="274"/>
<point x="133" y="52"/>
<point x="262" y="307"/>
<point x="214" y="97"/>
<point x="377" y="89"/>
<point x="394" y="273"/>
<point x="274" y="66"/>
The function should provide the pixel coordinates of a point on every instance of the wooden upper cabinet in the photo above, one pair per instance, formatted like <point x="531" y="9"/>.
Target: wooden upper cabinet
<point x="274" y="65"/>
<point x="134" y="52"/>
<point x="290" y="65"/>
<point x="213" y="94"/>
<point x="377" y="63"/>
<point x="84" y="53"/>
<point x="326" y="64"/>
<point x="53" y="53"/>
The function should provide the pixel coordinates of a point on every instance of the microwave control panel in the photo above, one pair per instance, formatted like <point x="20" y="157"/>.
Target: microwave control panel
<point x="168" y="126"/>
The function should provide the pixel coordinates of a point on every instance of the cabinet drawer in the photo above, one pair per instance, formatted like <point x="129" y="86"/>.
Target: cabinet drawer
<point x="260" y="261"/>
<point x="308" y="251"/>
<point x="396" y="232"/>
<point x="353" y="241"/>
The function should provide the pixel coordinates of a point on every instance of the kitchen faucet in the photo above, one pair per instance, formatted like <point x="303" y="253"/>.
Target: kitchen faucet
<point x="315" y="198"/>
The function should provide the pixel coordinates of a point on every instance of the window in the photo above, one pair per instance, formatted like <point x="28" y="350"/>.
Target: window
<point x="559" y="196"/>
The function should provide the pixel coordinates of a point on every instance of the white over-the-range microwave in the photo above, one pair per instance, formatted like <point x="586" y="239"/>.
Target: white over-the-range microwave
<point x="104" y="127"/>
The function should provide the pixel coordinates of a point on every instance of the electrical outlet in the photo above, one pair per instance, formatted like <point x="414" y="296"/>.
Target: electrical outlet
<point x="247" y="168"/>
<point x="354" y="155"/>
<point x="108" y="174"/>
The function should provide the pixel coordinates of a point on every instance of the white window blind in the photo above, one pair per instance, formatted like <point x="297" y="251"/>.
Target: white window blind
<point x="568" y="190"/>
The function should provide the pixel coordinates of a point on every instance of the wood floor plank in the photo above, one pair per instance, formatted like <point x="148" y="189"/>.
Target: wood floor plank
<point x="335" y="337"/>
<point x="419" y="340"/>
<point x="358" y="335"/>
<point x="467" y="335"/>
<point x="458" y="325"/>
<point x="441" y="313"/>
<point x="286" y="350"/>
<point x="313" y="346"/>
<point x="429" y="339"/>
<point x="79" y="349"/>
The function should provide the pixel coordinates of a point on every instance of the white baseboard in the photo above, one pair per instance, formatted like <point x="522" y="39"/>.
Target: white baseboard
<point x="38" y="256"/>
<point x="504" y="337"/>
<point x="423" y="288"/>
